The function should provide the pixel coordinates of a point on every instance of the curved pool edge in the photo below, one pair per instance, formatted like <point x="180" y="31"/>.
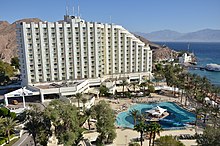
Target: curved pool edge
<point x="123" y="123"/>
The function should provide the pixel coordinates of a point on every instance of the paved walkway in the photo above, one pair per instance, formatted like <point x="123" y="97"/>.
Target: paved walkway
<point x="25" y="140"/>
<point x="124" y="136"/>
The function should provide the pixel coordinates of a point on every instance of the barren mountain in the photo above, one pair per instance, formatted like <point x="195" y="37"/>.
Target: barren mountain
<point x="8" y="45"/>
<point x="159" y="52"/>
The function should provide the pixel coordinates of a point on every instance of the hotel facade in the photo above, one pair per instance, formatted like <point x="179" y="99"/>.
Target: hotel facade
<point x="74" y="49"/>
<point x="71" y="56"/>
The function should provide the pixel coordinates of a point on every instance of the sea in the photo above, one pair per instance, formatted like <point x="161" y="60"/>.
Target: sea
<point x="205" y="53"/>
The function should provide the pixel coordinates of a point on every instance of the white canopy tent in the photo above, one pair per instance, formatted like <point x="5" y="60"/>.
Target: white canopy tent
<point x="18" y="93"/>
<point x="207" y="99"/>
<point x="156" y="111"/>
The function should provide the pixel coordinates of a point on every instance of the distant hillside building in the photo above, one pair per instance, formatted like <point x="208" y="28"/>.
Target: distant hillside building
<point x="185" y="58"/>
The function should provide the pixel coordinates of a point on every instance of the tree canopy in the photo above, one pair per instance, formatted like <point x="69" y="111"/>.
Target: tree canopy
<point x="15" y="62"/>
<point x="210" y="137"/>
<point x="6" y="71"/>
<point x="38" y="125"/>
<point x="67" y="122"/>
<point x="168" y="141"/>
<point x="105" y="122"/>
<point x="104" y="91"/>
<point x="4" y="112"/>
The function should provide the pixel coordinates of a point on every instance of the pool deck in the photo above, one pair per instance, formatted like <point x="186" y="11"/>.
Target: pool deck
<point x="124" y="136"/>
<point x="124" y="103"/>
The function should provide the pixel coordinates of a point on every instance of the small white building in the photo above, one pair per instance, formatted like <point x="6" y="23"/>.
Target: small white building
<point x="185" y="58"/>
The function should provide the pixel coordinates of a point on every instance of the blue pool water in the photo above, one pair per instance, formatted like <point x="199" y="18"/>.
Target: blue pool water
<point x="177" y="118"/>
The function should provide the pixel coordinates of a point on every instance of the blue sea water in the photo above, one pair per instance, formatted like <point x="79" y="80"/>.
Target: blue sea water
<point x="205" y="53"/>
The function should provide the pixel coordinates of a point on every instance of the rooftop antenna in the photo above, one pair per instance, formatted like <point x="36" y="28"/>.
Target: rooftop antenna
<point x="110" y="19"/>
<point x="67" y="10"/>
<point x="188" y="46"/>
<point x="67" y="13"/>
<point x="73" y="11"/>
<point x="78" y="11"/>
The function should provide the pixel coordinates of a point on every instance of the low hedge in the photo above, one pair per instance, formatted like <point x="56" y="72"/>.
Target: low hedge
<point x="2" y="140"/>
<point x="12" y="142"/>
<point x="5" y="139"/>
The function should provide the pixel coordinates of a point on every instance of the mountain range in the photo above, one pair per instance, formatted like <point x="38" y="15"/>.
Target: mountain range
<point x="205" y="35"/>
<point x="8" y="42"/>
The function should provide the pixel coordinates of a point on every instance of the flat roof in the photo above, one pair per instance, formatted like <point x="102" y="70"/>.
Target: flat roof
<point x="59" y="85"/>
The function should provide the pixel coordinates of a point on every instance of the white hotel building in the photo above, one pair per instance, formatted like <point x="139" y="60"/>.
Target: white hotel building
<point x="76" y="50"/>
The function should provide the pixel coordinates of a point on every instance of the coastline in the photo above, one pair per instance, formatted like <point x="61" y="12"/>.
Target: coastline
<point x="205" y="52"/>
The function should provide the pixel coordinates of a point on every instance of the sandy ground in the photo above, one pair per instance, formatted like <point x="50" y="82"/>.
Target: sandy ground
<point x="124" y="136"/>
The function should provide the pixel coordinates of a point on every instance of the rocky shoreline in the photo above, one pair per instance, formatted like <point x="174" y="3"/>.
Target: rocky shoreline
<point x="160" y="53"/>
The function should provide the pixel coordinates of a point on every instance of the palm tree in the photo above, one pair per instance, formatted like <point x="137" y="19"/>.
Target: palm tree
<point x="216" y="91"/>
<point x="8" y="125"/>
<point x="143" y="85"/>
<point x="38" y="124"/>
<point x="134" y="85"/>
<point x="154" y="129"/>
<point x="181" y="85"/>
<point x="214" y="116"/>
<point x="1" y="120"/>
<point x="84" y="100"/>
<point x="134" y="113"/>
<point x="205" y="87"/>
<point x="78" y="97"/>
<point x="198" y="112"/>
<point x="140" y="127"/>
<point x="195" y="83"/>
<point x="187" y="87"/>
<point x="32" y="118"/>
<point x="141" y="117"/>
<point x="88" y="113"/>
<point x="1" y="123"/>
<point x="124" y="83"/>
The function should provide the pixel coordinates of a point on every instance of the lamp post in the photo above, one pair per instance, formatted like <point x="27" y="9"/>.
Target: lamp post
<point x="126" y="139"/>
<point x="23" y="97"/>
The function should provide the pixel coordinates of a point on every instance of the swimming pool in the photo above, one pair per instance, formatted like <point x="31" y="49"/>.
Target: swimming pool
<point x="177" y="118"/>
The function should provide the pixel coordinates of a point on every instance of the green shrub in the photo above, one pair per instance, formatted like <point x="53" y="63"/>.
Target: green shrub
<point x="133" y="144"/>
<point x="4" y="112"/>
<point x="12" y="115"/>
<point x="12" y="142"/>
<point x="151" y="89"/>
<point x="2" y="140"/>
<point x="168" y="141"/>
<point x="127" y="94"/>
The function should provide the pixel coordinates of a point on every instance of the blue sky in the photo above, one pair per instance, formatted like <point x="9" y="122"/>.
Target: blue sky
<point x="134" y="15"/>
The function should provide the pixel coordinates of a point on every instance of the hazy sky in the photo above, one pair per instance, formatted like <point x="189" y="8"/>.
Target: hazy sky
<point x="134" y="15"/>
